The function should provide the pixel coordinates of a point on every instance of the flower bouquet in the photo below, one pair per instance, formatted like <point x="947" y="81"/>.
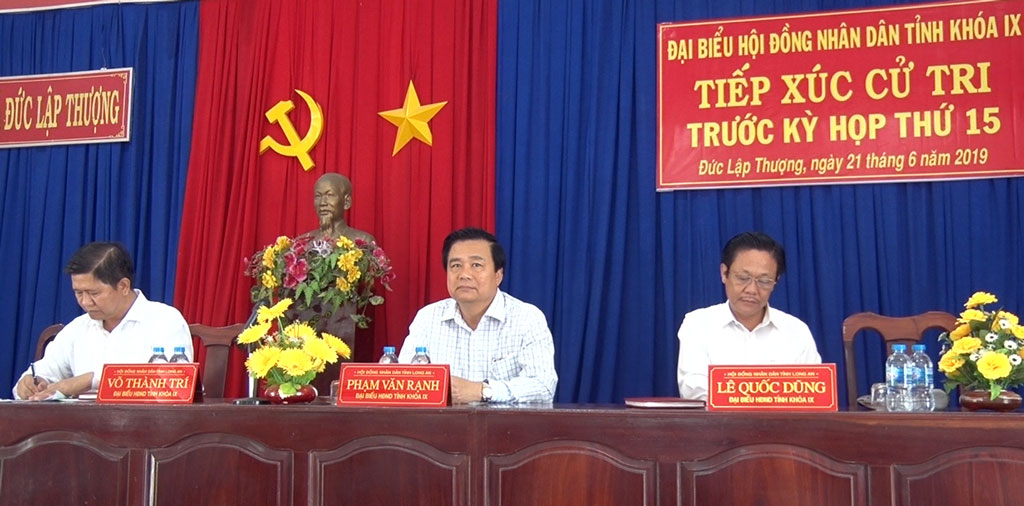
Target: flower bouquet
<point x="985" y="351"/>
<point x="288" y="355"/>
<point x="321" y="275"/>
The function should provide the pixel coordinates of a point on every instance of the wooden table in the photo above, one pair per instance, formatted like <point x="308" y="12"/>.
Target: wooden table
<point x="218" y="454"/>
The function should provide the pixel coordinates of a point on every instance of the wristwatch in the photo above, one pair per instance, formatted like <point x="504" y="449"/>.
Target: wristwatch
<point x="485" y="392"/>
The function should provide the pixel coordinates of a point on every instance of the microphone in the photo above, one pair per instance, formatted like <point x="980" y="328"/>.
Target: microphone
<point x="252" y="399"/>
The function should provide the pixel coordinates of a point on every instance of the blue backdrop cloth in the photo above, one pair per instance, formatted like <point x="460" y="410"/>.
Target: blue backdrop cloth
<point x="615" y="266"/>
<point x="55" y="199"/>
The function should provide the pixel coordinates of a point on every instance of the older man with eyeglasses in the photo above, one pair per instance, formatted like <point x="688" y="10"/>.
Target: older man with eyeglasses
<point x="744" y="330"/>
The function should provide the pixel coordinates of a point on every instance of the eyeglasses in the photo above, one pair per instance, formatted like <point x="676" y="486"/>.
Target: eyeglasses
<point x="743" y="280"/>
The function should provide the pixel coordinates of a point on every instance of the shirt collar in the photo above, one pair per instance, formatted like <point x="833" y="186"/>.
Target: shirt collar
<point x="495" y="311"/>
<point x="726" y="317"/>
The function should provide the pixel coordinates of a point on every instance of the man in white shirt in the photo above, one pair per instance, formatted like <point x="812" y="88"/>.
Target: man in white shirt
<point x="744" y="330"/>
<point x="499" y="348"/>
<point x="120" y="326"/>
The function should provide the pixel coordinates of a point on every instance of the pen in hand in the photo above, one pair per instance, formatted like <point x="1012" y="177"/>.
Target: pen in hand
<point x="32" y="369"/>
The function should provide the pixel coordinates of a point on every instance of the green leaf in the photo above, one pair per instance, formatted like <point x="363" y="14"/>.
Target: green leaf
<point x="994" y="390"/>
<point x="376" y="300"/>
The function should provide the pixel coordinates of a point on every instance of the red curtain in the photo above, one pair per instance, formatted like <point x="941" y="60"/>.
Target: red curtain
<point x="355" y="59"/>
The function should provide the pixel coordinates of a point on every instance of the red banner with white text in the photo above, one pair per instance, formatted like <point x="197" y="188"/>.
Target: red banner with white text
<point x="67" y="108"/>
<point x="909" y="93"/>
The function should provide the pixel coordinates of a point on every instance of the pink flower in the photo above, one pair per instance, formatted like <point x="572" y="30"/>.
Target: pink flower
<point x="299" y="246"/>
<point x="298" y="270"/>
<point x="290" y="281"/>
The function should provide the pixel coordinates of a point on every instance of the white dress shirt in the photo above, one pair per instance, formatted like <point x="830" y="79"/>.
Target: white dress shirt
<point x="85" y="346"/>
<point x="713" y="336"/>
<point x="511" y="347"/>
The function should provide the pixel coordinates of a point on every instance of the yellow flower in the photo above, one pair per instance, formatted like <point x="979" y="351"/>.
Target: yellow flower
<point x="980" y="298"/>
<point x="319" y="349"/>
<point x="950" y="362"/>
<point x="1003" y="315"/>
<point x="268" y="258"/>
<point x="966" y="345"/>
<point x="265" y="314"/>
<point x="295" y="362"/>
<point x="994" y="366"/>
<point x="300" y="330"/>
<point x="338" y="345"/>
<point x="343" y="284"/>
<point x="345" y="242"/>
<point x="282" y="243"/>
<point x="253" y="333"/>
<point x="353" y="275"/>
<point x="261" y="361"/>
<point x="269" y="280"/>
<point x="348" y="260"/>
<point x="971" y="314"/>
<point x="961" y="331"/>
<point x="1018" y="331"/>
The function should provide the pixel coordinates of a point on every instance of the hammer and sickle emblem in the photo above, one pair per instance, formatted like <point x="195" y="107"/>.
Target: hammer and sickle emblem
<point x="296" y="147"/>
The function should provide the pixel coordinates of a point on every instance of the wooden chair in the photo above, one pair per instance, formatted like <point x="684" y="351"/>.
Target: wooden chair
<point x="47" y="335"/>
<point x="217" y="342"/>
<point x="905" y="330"/>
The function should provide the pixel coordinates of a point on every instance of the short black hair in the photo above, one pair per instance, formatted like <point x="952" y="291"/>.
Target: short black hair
<point x="108" y="262"/>
<point x="472" y="234"/>
<point x="754" y="241"/>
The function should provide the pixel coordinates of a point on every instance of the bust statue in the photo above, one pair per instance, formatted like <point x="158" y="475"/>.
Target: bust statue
<point x="332" y="196"/>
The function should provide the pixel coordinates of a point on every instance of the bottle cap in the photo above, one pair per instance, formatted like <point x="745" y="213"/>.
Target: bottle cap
<point x="389" y="349"/>
<point x="421" y="349"/>
<point x="899" y="347"/>
<point x="158" y="349"/>
<point x="179" y="349"/>
<point x="918" y="347"/>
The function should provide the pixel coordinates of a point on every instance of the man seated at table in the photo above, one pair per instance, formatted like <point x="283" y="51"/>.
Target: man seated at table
<point x="120" y="326"/>
<point x="744" y="330"/>
<point x="499" y="348"/>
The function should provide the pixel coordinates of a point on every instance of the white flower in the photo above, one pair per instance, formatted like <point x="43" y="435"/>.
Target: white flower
<point x="1004" y="323"/>
<point x="991" y="337"/>
<point x="975" y="356"/>
<point x="1010" y="344"/>
<point x="1015" y="360"/>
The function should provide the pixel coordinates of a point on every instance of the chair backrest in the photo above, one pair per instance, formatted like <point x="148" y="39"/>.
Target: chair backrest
<point x="906" y="330"/>
<point x="45" y="337"/>
<point x="217" y="342"/>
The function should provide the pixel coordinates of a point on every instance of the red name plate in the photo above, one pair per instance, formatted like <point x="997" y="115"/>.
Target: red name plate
<point x="772" y="387"/>
<point x="422" y="385"/>
<point x="148" y="383"/>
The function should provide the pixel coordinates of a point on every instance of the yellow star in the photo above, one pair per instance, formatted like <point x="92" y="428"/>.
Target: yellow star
<point x="412" y="119"/>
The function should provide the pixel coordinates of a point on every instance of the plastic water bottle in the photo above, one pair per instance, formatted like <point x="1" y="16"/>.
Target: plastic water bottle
<point x="179" y="355"/>
<point x="389" y="356"/>
<point x="421" y="356"/>
<point x="923" y="380"/>
<point x="158" y="356"/>
<point x="898" y="370"/>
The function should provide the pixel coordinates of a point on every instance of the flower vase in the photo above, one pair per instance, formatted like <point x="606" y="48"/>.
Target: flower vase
<point x="974" y="400"/>
<point x="305" y="395"/>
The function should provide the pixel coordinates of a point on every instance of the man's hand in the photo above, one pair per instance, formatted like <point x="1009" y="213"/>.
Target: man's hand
<point x="69" y="387"/>
<point x="465" y="391"/>
<point x="29" y="386"/>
